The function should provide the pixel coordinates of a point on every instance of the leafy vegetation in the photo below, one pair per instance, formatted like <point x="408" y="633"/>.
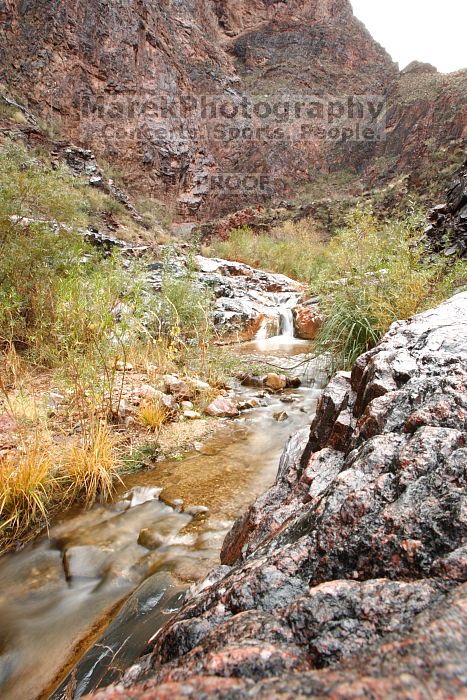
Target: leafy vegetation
<point x="373" y="274"/>
<point x="69" y="316"/>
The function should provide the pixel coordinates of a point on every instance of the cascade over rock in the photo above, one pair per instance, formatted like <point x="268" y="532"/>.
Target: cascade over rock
<point x="352" y="567"/>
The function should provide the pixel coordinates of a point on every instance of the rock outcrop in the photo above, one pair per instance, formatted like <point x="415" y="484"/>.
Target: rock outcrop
<point x="246" y="299"/>
<point x="307" y="320"/>
<point x="447" y="231"/>
<point x="347" y="578"/>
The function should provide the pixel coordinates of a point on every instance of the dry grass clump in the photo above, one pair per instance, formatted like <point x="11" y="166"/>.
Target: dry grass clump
<point x="152" y="415"/>
<point x="90" y="469"/>
<point x="34" y="481"/>
<point x="27" y="487"/>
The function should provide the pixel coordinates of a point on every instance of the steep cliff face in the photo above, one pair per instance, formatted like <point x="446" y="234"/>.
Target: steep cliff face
<point x="128" y="79"/>
<point x="99" y="69"/>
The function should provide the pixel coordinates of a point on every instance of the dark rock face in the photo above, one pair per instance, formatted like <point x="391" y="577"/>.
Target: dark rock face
<point x="447" y="231"/>
<point x="345" y="580"/>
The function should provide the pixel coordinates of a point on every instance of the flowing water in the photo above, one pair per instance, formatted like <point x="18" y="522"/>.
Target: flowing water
<point x="286" y="323"/>
<point x="89" y="591"/>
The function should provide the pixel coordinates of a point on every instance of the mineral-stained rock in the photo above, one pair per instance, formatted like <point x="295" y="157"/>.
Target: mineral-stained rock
<point x="232" y="51"/>
<point x="178" y="53"/>
<point x="448" y="222"/>
<point x="307" y="321"/>
<point x="346" y="576"/>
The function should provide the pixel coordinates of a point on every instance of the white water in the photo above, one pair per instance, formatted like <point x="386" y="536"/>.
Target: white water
<point x="286" y="327"/>
<point x="280" y="328"/>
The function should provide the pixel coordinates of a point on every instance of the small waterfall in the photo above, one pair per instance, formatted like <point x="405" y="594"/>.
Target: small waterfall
<point x="286" y="322"/>
<point x="279" y="322"/>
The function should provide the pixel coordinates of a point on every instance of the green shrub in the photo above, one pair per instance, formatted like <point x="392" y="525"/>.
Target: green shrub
<point x="29" y="187"/>
<point x="184" y="306"/>
<point x="373" y="274"/>
<point x="57" y="293"/>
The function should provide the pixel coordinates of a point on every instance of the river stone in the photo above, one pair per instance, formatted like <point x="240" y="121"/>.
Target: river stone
<point x="276" y="382"/>
<point x="199" y="385"/>
<point x="169" y="402"/>
<point x="151" y="539"/>
<point x="86" y="561"/>
<point x="178" y="388"/>
<point x="192" y="415"/>
<point x="146" y="391"/>
<point x="222" y="408"/>
<point x="281" y="416"/>
<point x="307" y="321"/>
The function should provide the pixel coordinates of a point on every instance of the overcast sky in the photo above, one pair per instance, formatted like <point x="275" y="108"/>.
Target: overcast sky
<point x="433" y="31"/>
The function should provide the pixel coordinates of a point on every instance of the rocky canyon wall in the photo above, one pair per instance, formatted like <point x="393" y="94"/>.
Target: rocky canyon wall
<point x="128" y="79"/>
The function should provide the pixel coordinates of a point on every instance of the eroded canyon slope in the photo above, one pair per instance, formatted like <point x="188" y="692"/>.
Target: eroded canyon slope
<point x="102" y="70"/>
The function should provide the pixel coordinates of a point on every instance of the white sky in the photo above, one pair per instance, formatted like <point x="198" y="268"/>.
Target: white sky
<point x="433" y="31"/>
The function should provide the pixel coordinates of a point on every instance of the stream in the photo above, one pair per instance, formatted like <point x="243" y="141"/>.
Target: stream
<point x="79" y="606"/>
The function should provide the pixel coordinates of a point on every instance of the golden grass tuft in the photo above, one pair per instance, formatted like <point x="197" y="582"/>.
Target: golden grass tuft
<point x="91" y="468"/>
<point x="152" y="415"/>
<point x="27" y="485"/>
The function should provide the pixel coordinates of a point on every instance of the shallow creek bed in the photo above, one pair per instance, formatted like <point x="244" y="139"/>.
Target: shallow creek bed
<point x="80" y="605"/>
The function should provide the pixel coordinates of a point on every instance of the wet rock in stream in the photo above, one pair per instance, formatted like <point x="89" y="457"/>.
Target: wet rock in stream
<point x="346" y="579"/>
